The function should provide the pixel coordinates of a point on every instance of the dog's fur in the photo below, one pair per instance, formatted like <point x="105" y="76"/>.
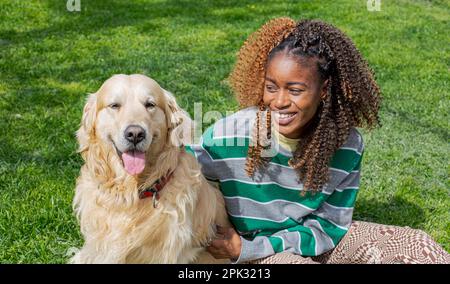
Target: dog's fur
<point x="117" y="226"/>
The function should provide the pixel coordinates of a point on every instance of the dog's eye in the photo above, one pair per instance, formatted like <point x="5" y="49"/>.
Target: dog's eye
<point x="149" y="104"/>
<point x="114" y="106"/>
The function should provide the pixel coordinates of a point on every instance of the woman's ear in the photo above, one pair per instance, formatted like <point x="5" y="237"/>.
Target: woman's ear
<point x="325" y="89"/>
<point x="87" y="126"/>
<point x="178" y="122"/>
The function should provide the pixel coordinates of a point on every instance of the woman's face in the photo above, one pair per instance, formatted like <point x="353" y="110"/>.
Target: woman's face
<point x="292" y="89"/>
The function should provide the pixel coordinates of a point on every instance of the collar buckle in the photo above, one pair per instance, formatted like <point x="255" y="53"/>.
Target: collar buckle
<point x="155" y="199"/>
<point x="154" y="189"/>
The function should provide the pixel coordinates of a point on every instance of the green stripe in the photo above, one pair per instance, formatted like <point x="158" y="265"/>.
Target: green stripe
<point x="280" y="159"/>
<point x="345" y="159"/>
<point x="269" y="192"/>
<point x="268" y="227"/>
<point x="277" y="244"/>
<point x="221" y="148"/>
<point x="307" y="241"/>
<point x="224" y="148"/>
<point x="346" y="198"/>
<point x="334" y="232"/>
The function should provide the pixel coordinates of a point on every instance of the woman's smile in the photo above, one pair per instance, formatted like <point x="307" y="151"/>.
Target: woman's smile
<point x="283" y="119"/>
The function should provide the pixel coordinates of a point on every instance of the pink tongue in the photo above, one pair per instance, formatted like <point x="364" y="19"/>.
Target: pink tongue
<point x="134" y="162"/>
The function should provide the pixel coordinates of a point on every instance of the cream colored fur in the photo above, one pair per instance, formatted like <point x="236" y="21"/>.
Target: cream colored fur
<point x="117" y="226"/>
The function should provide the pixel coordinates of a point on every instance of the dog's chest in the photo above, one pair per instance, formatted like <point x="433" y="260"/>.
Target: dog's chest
<point x="166" y="238"/>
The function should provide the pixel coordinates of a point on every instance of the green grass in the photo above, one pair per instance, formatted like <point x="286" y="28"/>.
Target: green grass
<point x="51" y="58"/>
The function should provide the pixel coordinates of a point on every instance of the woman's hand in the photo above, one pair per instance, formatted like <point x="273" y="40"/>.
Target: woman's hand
<point x="226" y="245"/>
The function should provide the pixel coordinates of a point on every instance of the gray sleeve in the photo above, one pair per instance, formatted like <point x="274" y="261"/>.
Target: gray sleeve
<point x="259" y="247"/>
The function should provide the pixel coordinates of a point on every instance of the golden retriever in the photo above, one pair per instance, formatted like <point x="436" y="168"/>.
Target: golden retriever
<point x="131" y="135"/>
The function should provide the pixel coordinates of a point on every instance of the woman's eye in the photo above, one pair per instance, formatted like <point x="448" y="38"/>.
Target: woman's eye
<point x="271" y="89"/>
<point x="114" y="106"/>
<point x="149" y="104"/>
<point x="295" y="91"/>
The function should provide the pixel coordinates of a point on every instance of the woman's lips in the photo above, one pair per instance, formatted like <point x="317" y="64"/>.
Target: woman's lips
<point x="284" y="119"/>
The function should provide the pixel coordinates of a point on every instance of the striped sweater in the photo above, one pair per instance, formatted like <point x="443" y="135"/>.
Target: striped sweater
<point x="267" y="210"/>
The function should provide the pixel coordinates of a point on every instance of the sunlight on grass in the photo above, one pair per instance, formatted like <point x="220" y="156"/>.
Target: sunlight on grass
<point x="51" y="59"/>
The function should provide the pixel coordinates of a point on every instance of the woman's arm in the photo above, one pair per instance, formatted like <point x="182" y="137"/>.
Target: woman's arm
<point x="316" y="234"/>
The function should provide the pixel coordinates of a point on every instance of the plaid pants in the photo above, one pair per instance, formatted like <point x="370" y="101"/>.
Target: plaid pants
<point x="373" y="243"/>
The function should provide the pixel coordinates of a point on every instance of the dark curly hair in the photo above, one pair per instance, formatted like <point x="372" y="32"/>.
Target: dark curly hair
<point x="352" y="100"/>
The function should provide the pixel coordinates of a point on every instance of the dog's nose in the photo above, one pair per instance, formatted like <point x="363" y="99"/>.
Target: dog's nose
<point x="134" y="134"/>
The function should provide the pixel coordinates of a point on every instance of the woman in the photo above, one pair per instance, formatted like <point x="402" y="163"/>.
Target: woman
<point x="288" y="164"/>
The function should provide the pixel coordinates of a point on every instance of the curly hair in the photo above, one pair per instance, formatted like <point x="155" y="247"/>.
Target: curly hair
<point x="247" y="77"/>
<point x="352" y="100"/>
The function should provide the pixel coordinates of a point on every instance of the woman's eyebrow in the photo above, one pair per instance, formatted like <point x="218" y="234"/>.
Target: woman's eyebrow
<point x="271" y="80"/>
<point x="288" y="83"/>
<point x="297" y="83"/>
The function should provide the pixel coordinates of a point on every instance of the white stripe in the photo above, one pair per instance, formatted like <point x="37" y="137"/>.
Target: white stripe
<point x="299" y="243"/>
<point x="244" y="158"/>
<point x="261" y="183"/>
<point x="265" y="203"/>
<point x="274" y="164"/>
<point x="259" y="218"/>
<point x="339" y="170"/>
<point x="239" y="158"/>
<point x="342" y="189"/>
<point x="351" y="149"/>
<point x="327" y="236"/>
<point x="340" y="227"/>
<point x="226" y="137"/>
<point x="283" y="166"/>
<point x="315" y="240"/>
<point x="228" y="159"/>
<point x="336" y="207"/>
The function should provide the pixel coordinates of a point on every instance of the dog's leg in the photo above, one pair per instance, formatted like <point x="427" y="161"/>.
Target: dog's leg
<point x="221" y="217"/>
<point x="90" y="254"/>
<point x="212" y="202"/>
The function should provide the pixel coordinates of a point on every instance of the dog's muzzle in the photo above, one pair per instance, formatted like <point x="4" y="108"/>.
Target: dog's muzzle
<point x="134" y="134"/>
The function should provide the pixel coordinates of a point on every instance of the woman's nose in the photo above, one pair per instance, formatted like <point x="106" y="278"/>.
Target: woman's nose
<point x="282" y="100"/>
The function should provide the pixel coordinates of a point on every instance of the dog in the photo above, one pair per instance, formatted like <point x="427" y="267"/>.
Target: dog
<point x="140" y="198"/>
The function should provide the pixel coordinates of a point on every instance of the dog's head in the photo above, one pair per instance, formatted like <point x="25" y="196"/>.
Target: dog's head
<point x="133" y="117"/>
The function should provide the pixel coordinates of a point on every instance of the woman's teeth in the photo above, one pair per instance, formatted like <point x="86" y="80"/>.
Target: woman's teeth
<point x="286" y="115"/>
<point x="285" y="118"/>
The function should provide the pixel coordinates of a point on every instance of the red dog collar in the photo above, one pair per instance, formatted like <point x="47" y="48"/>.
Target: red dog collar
<point x="155" y="188"/>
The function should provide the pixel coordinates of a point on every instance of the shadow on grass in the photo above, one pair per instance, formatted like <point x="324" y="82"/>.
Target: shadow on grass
<point x="411" y="118"/>
<point x="97" y="15"/>
<point x="397" y="211"/>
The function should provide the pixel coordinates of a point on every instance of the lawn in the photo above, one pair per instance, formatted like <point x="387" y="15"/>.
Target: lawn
<point x="51" y="58"/>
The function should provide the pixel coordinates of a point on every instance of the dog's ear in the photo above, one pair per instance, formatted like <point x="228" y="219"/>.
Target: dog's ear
<point x="178" y="121"/>
<point x="87" y="126"/>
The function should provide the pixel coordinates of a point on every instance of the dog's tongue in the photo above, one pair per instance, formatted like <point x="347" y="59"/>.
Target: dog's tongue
<point x="134" y="162"/>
